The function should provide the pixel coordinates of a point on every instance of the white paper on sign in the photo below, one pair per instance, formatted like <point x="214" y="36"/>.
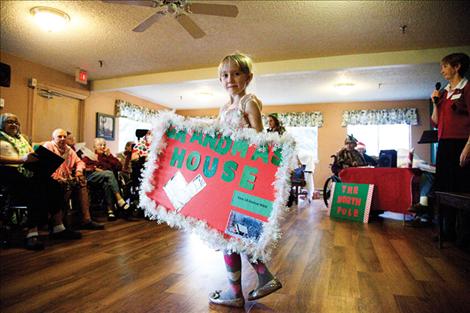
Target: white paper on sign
<point x="180" y="192"/>
<point x="175" y="189"/>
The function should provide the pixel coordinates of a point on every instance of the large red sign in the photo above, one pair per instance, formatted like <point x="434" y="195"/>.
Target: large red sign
<point x="230" y="187"/>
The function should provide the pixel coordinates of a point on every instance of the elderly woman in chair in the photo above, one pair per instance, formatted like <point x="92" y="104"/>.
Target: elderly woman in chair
<point x="102" y="171"/>
<point x="15" y="154"/>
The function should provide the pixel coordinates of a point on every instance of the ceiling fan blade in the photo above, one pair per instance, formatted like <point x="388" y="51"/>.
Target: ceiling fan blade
<point x="191" y="27"/>
<point x="149" y="22"/>
<point x="143" y="3"/>
<point x="214" y="9"/>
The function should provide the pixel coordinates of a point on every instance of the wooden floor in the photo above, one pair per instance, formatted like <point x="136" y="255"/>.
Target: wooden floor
<point x="325" y="266"/>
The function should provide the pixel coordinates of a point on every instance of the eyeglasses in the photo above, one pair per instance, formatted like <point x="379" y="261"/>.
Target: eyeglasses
<point x="12" y="122"/>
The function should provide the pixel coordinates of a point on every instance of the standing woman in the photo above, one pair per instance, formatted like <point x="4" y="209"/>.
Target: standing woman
<point x="275" y="125"/>
<point x="451" y="114"/>
<point x="242" y="111"/>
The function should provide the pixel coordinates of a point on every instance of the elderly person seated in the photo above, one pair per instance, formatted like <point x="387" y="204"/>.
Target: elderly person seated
<point x="70" y="176"/>
<point x="126" y="156"/>
<point x="15" y="153"/>
<point x="370" y="161"/>
<point x="71" y="142"/>
<point x="349" y="156"/>
<point x="100" y="172"/>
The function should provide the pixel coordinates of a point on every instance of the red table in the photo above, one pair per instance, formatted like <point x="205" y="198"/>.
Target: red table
<point x="395" y="189"/>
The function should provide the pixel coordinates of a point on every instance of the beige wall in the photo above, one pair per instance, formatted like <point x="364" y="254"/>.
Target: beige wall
<point x="17" y="95"/>
<point x="104" y="102"/>
<point x="331" y="135"/>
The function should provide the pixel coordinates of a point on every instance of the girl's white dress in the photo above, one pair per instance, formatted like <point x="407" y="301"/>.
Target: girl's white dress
<point x="233" y="116"/>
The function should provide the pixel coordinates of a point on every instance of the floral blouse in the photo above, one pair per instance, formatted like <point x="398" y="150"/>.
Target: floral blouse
<point x="232" y="116"/>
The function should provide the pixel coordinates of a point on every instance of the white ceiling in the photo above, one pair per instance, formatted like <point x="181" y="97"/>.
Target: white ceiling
<point x="267" y="30"/>
<point x="400" y="82"/>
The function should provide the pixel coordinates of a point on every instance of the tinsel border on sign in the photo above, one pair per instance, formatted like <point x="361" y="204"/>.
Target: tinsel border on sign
<point x="255" y="250"/>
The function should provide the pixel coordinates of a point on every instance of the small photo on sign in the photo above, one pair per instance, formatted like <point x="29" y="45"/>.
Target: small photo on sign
<point x="243" y="226"/>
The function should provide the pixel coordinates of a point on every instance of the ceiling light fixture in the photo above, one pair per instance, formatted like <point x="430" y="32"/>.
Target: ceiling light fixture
<point x="50" y="19"/>
<point x="204" y="95"/>
<point x="344" y="88"/>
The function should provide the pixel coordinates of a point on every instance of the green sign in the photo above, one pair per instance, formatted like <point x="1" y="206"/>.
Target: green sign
<point x="351" y="201"/>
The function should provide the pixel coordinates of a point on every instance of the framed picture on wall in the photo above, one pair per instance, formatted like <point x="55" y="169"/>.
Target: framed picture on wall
<point x="105" y="126"/>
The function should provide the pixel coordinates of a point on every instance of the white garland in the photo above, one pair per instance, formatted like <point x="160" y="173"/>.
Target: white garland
<point x="256" y="250"/>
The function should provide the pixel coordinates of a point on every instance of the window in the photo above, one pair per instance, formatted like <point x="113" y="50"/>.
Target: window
<point x="306" y="139"/>
<point x="382" y="137"/>
<point x="127" y="128"/>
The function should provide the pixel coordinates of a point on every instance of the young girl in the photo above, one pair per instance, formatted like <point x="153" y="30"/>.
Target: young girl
<point x="243" y="110"/>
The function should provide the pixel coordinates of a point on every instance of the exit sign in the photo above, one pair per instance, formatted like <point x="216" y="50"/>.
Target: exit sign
<point x="81" y="76"/>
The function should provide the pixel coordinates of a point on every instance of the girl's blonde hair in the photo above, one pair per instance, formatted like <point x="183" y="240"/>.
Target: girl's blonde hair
<point x="243" y="61"/>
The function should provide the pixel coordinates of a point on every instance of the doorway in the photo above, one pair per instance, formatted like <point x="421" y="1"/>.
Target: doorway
<point x="54" y="110"/>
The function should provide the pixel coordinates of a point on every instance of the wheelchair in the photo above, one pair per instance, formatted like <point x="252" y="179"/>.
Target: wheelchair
<point x="298" y="182"/>
<point x="134" y="185"/>
<point x="327" y="186"/>
<point x="13" y="216"/>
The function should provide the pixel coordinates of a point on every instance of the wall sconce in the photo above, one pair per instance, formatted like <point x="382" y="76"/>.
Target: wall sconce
<point x="50" y="19"/>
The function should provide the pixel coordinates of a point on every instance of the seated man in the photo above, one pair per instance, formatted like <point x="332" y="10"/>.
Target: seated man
<point x="70" y="176"/>
<point x="100" y="171"/>
<point x="349" y="156"/>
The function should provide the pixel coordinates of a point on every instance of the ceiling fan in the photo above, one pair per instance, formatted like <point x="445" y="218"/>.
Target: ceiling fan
<point x="180" y="9"/>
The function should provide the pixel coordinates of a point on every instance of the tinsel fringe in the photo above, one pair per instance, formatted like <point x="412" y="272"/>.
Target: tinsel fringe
<point x="255" y="250"/>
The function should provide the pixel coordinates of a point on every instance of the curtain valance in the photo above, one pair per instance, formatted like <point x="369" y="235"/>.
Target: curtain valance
<point x="298" y="119"/>
<point x="291" y="119"/>
<point x="381" y="117"/>
<point x="134" y="112"/>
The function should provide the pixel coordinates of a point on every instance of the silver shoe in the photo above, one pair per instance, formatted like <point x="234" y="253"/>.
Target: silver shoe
<point x="267" y="289"/>
<point x="215" y="298"/>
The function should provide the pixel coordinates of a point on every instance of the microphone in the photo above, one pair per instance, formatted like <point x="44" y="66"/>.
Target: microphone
<point x="436" y="99"/>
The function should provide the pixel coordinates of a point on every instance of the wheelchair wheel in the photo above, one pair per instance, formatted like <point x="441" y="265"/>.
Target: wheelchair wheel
<point x="327" y="187"/>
